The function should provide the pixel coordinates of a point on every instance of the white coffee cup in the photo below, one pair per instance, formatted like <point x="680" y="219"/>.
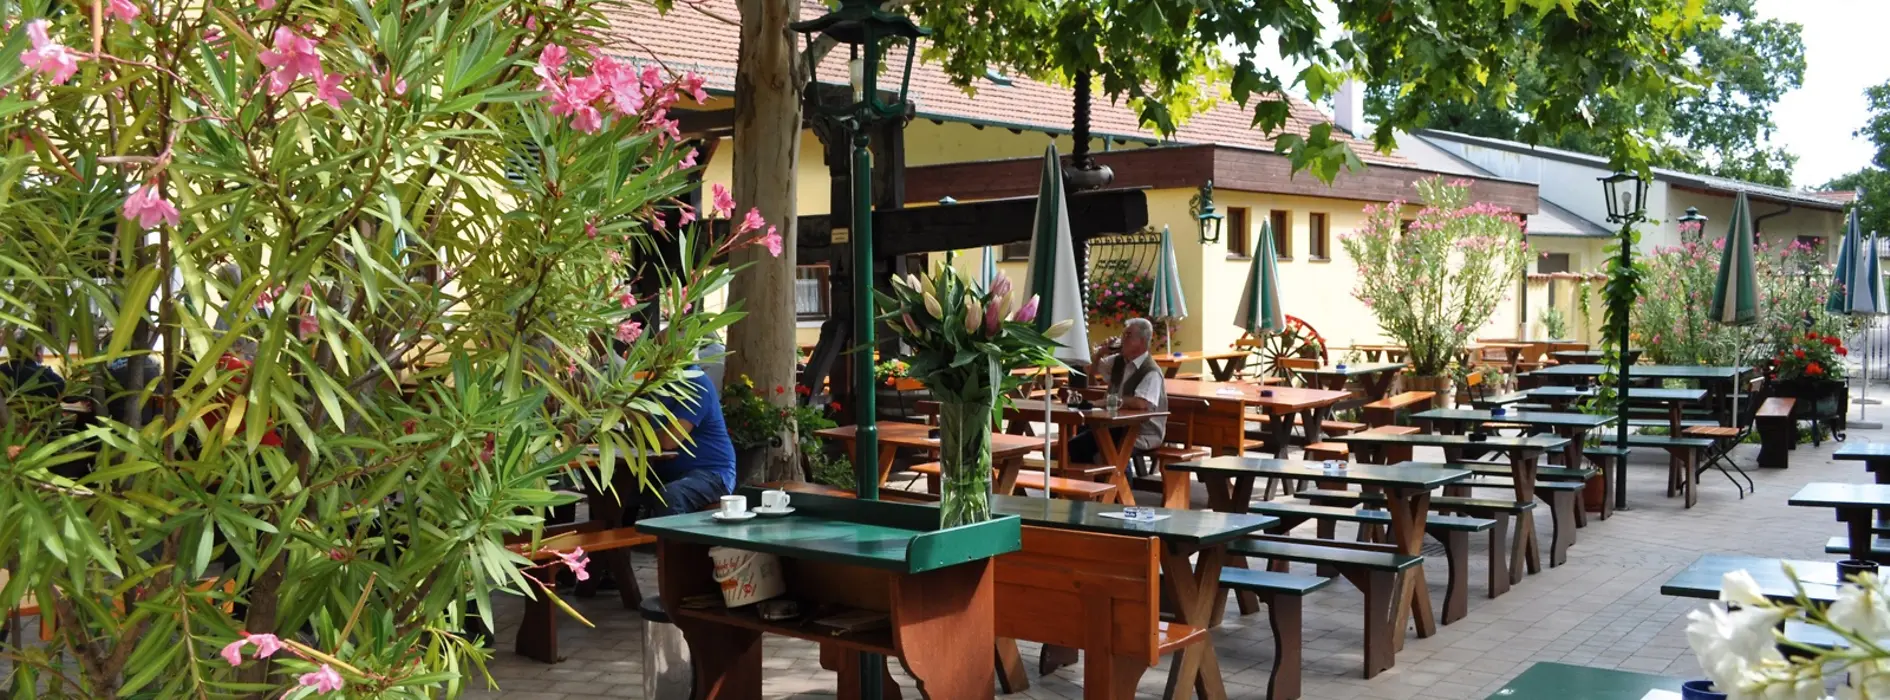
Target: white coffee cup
<point x="734" y="505"/>
<point x="774" y="499"/>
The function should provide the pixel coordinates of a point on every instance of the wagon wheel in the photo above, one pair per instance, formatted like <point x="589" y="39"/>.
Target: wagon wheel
<point x="1299" y="339"/>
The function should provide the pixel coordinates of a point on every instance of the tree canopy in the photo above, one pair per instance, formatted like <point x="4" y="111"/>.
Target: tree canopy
<point x="1719" y="126"/>
<point x="1873" y="181"/>
<point x="1587" y="60"/>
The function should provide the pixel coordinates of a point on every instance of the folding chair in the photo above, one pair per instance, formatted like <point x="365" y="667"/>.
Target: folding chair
<point x="1725" y="438"/>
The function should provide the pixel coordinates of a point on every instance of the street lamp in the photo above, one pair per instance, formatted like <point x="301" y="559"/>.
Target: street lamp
<point x="1692" y="222"/>
<point x="1210" y="221"/>
<point x="1626" y="194"/>
<point x="865" y="30"/>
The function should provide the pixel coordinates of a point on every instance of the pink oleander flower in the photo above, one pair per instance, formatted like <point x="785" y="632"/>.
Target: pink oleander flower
<point x="324" y="679"/>
<point x="328" y="89"/>
<point x="310" y="325"/>
<point x="122" y="10"/>
<point x="50" y="57"/>
<point x="724" y="203"/>
<point x="692" y="84"/>
<point x="266" y="646"/>
<point x="629" y="331"/>
<point x="292" y="57"/>
<point x="688" y="214"/>
<point x="265" y="5"/>
<point x="587" y="119"/>
<point x="688" y="161"/>
<point x="772" y="240"/>
<point x="393" y="84"/>
<point x="233" y="652"/>
<point x="576" y="560"/>
<point x="149" y="208"/>
<point x="616" y="258"/>
<point x="627" y="300"/>
<point x="590" y="229"/>
<point x="751" y="222"/>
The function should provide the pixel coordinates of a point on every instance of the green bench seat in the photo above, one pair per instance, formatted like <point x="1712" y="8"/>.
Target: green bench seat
<point x="1842" y="545"/>
<point x="1451" y="530"/>
<point x="1283" y="593"/>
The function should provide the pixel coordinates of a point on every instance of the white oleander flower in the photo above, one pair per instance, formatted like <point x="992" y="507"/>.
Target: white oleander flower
<point x="1739" y="588"/>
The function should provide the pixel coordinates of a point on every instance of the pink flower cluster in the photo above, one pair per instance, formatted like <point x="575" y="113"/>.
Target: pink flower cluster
<point x="148" y="206"/>
<point x="293" y="57"/>
<point x="323" y="679"/>
<point x="612" y="87"/>
<point x="48" y="57"/>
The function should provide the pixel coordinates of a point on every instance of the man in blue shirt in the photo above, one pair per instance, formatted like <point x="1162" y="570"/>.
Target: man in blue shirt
<point x="703" y="470"/>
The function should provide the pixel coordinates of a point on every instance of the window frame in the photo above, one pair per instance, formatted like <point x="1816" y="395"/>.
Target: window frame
<point x="824" y="276"/>
<point x="1239" y="233"/>
<point x="1281" y="221"/>
<point x="1319" y="236"/>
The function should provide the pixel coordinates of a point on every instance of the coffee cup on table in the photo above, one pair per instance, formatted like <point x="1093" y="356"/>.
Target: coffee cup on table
<point x="774" y="499"/>
<point x="734" y="505"/>
<point x="1851" y="568"/>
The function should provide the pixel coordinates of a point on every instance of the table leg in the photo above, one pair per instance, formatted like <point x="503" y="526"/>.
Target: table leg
<point x="1282" y="432"/>
<point x="1010" y="667"/>
<point x="1409" y="509"/>
<point x="1314" y="420"/>
<point x="1378" y="386"/>
<point x="1007" y="472"/>
<point x="1231" y="495"/>
<point x="1881" y="472"/>
<point x="1857" y="521"/>
<point x="1524" y="553"/>
<point x="1196" y="588"/>
<point x="1117" y="453"/>
<point x="941" y="625"/>
<point x="886" y="454"/>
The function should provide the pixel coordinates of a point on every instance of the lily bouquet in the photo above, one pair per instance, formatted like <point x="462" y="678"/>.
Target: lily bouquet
<point x="965" y="340"/>
<point x="1738" y="641"/>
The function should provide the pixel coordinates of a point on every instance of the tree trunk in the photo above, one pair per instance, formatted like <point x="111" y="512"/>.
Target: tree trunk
<point x="767" y="147"/>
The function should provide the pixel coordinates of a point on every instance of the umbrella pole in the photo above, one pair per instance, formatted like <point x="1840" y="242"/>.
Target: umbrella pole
<point x="1048" y="455"/>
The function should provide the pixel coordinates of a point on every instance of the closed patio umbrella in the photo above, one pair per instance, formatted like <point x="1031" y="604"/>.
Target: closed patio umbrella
<point x="1735" y="301"/>
<point x="1167" y="303"/>
<point x="1853" y="295"/>
<point x="1052" y="278"/>
<point x="1259" y="310"/>
<point x="987" y="270"/>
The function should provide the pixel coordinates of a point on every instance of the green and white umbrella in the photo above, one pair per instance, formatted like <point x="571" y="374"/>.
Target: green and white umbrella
<point x="1259" y="310"/>
<point x="1167" y="303"/>
<point x="1052" y="277"/>
<point x="1735" y="298"/>
<point x="987" y="270"/>
<point x="1855" y="293"/>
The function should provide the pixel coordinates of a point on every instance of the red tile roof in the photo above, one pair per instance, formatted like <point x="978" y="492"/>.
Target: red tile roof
<point x="690" y="39"/>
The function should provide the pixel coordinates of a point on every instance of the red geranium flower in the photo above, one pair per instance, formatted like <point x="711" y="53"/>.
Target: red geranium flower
<point x="1814" y="369"/>
<point x="835" y="406"/>
<point x="1832" y="341"/>
<point x="1842" y="351"/>
<point x="802" y="389"/>
<point x="1800" y="354"/>
<point x="779" y="390"/>
<point x="1811" y="335"/>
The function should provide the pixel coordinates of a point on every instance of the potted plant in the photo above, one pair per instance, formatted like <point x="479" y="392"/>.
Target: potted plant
<point x="1810" y="369"/>
<point x="897" y="392"/>
<point x="1433" y="281"/>
<point x="965" y="340"/>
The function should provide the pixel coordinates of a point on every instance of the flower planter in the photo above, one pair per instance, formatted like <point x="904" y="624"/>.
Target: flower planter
<point x="1821" y="400"/>
<point x="1441" y="386"/>
<point x="894" y="404"/>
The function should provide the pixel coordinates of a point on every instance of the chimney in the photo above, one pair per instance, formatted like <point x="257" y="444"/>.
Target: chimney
<point x="1348" y="108"/>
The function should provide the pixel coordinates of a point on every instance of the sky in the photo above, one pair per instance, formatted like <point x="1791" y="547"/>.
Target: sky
<point x="1844" y="53"/>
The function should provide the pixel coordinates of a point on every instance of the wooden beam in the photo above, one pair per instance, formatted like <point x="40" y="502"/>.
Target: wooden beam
<point x="976" y="224"/>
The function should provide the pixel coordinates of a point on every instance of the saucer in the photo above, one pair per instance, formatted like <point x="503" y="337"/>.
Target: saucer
<point x="744" y="515"/>
<point x="772" y="512"/>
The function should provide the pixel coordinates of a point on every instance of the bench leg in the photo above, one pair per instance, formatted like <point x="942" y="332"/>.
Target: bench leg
<point x="1010" y="667"/>
<point x="1285" y="616"/>
<point x="1380" y="588"/>
<point x="1457" y="587"/>
<point x="1116" y="676"/>
<point x="846" y="667"/>
<point x="1607" y="487"/>
<point x="1562" y="508"/>
<point x="1775" y="440"/>
<point x="1499" y="566"/>
<point x="538" y="632"/>
<point x="1524" y="552"/>
<point x="617" y="562"/>
<point x="1054" y="657"/>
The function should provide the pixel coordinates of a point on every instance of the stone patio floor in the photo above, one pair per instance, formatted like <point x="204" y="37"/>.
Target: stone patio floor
<point x="1603" y="608"/>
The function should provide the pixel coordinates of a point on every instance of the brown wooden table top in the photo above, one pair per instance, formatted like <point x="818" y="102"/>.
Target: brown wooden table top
<point x="919" y="436"/>
<point x="1167" y="359"/>
<point x="1033" y="409"/>
<point x="1283" y="399"/>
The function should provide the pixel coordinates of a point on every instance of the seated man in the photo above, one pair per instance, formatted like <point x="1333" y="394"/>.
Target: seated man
<point x="1132" y="375"/>
<point x="703" y="470"/>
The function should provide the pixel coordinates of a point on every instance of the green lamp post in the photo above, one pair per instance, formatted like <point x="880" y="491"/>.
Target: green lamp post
<point x="867" y="31"/>
<point x="1692" y="224"/>
<point x="1626" y="194"/>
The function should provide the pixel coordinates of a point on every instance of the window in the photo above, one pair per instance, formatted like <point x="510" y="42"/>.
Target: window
<point x="1318" y="237"/>
<point x="1015" y="252"/>
<point x="1236" y="225"/>
<point x="1282" y="221"/>
<point x="811" y="292"/>
<point x="1552" y="263"/>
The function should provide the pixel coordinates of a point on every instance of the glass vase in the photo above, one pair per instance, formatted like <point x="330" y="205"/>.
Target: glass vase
<point x="964" y="461"/>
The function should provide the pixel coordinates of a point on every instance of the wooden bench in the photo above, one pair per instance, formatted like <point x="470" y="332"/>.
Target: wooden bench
<point x="1095" y="592"/>
<point x="1585" y="476"/>
<point x="1375" y="573"/>
<point x="1283" y="593"/>
<point x="1061" y="487"/>
<point x="1778" y="433"/>
<point x="1180" y="445"/>
<point x="1682" y="464"/>
<point x="1341" y="451"/>
<point x="1385" y="411"/>
<point x="1450" y="530"/>
<point x="1502" y="574"/>
<point x="538" y="631"/>
<point x="1562" y="497"/>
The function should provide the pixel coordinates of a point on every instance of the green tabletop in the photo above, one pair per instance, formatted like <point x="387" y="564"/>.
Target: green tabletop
<point x="1644" y="371"/>
<point x="1853" y="450"/>
<point x="1702" y="578"/>
<point x="1829" y="495"/>
<point x="1193" y="528"/>
<point x="1534" y="418"/>
<point x="1548" y="680"/>
<point x="899" y="537"/>
<point x="1494" y="442"/>
<point x="1635" y="393"/>
<point x="1354" y="370"/>
<point x="1402" y="476"/>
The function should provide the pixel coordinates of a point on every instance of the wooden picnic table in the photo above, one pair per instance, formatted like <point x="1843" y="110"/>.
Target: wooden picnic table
<point x="1512" y="351"/>
<point x="1407" y="490"/>
<point x="1374" y="378"/>
<point x="1523" y="454"/>
<point x="1547" y="679"/>
<point x="1380" y="351"/>
<point x="1856" y="506"/>
<point x="1574" y="426"/>
<point x="1115" y="434"/>
<point x="1222" y="365"/>
<point x="1874" y="455"/>
<point x="1227" y="429"/>
<point x="1702" y="578"/>
<point x="1588" y="357"/>
<point x="1194" y="548"/>
<point x="1007" y="450"/>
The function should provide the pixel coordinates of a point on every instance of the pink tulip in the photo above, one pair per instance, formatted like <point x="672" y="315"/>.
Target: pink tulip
<point x="50" y="57"/>
<point x="1028" y="312"/>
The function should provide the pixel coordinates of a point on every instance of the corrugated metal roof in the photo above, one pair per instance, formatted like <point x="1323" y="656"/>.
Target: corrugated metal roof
<point x="689" y="38"/>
